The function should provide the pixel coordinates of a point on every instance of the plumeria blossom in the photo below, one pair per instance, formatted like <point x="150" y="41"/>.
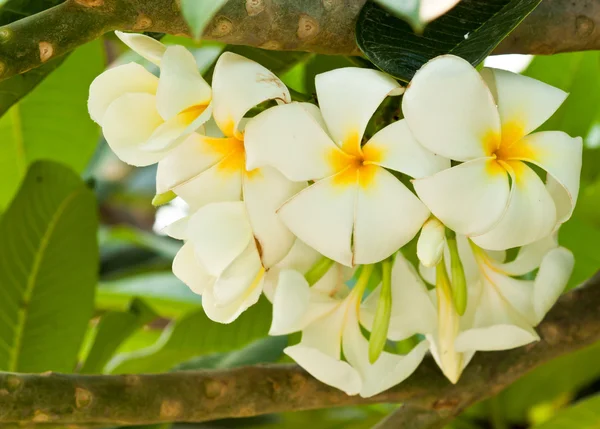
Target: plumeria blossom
<point x="502" y="310"/>
<point x="356" y="212"/>
<point x="143" y="117"/>
<point x="329" y="315"/>
<point x="485" y="121"/>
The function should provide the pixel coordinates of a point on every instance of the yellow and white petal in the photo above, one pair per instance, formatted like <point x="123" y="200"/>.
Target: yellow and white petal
<point x="469" y="198"/>
<point x="190" y="271"/>
<point x="264" y="191"/>
<point x="450" y="110"/>
<point x="322" y="216"/>
<point x="239" y="84"/>
<point x="348" y="97"/>
<point x="530" y="216"/>
<point x="220" y="233"/>
<point x="529" y="257"/>
<point x="387" y="216"/>
<point x="554" y="273"/>
<point x="217" y="184"/>
<point x="432" y="240"/>
<point x="170" y="133"/>
<point x="412" y="310"/>
<point x="128" y="123"/>
<point x="147" y="47"/>
<point x="561" y="156"/>
<point x="115" y="82"/>
<point x="241" y="277"/>
<point x="524" y="103"/>
<point x="395" y="147"/>
<point x="289" y="138"/>
<point x="230" y="312"/>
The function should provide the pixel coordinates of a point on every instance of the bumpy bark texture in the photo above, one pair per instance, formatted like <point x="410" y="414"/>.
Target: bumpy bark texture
<point x="322" y="26"/>
<point x="428" y="398"/>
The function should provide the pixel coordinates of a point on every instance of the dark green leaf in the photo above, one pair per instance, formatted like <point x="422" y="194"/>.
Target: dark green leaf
<point x="199" y="13"/>
<point x="114" y="328"/>
<point x="471" y="30"/>
<point x="583" y="415"/>
<point x="196" y="335"/>
<point x="51" y="122"/>
<point x="48" y="270"/>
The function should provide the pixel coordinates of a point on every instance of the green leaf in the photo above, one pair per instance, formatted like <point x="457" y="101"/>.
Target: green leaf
<point x="162" y="291"/>
<point x="583" y="415"/>
<point x="13" y="10"/>
<point x="51" y="122"/>
<point x="114" y="328"/>
<point x="199" y="13"/>
<point x="196" y="335"/>
<point x="48" y="270"/>
<point x="471" y="30"/>
<point x="581" y="238"/>
<point x="119" y="235"/>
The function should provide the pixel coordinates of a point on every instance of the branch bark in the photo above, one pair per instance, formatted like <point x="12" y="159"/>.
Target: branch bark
<point x="322" y="26"/>
<point x="207" y="395"/>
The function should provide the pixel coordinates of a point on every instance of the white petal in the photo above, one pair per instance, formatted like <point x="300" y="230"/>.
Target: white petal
<point x="469" y="198"/>
<point x="181" y="85"/>
<point x="171" y="133"/>
<point x="289" y="138"/>
<point x="522" y="101"/>
<point x="495" y="337"/>
<point x="322" y="216"/>
<point x="147" y="47"/>
<point x="395" y="147"/>
<point x="228" y="313"/>
<point x="450" y="110"/>
<point x="348" y="97"/>
<point x="189" y="270"/>
<point x="554" y="273"/>
<point x="432" y="9"/>
<point x="387" y="216"/>
<point x="430" y="245"/>
<point x="265" y="190"/>
<point x="290" y="303"/>
<point x="177" y="229"/>
<point x="325" y="333"/>
<point x="530" y="216"/>
<point x="129" y="122"/>
<point x="220" y="233"/>
<point x="115" y="82"/>
<point x="239" y="84"/>
<point x="529" y="257"/>
<point x="560" y="155"/>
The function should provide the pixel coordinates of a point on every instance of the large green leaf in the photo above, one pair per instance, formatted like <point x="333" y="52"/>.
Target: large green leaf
<point x="471" y="30"/>
<point x="581" y="238"/>
<point x="48" y="270"/>
<point x="51" y="122"/>
<point x="199" y="13"/>
<point x="583" y="415"/>
<point x="196" y="335"/>
<point x="114" y="328"/>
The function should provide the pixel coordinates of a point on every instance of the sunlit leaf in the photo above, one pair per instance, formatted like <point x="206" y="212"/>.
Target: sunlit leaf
<point x="199" y="13"/>
<point x="583" y="415"/>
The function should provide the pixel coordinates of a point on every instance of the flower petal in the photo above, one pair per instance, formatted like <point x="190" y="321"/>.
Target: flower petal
<point x="239" y="84"/>
<point x="190" y="271"/>
<point x="561" y="156"/>
<point x="469" y="198"/>
<point x="529" y="257"/>
<point x="290" y="303"/>
<point x="220" y="232"/>
<point x="387" y="216"/>
<point x="450" y="110"/>
<point x="147" y="47"/>
<point x="530" y="216"/>
<point x="348" y="97"/>
<point x="115" y="82"/>
<point x="228" y="313"/>
<point x="495" y="337"/>
<point x="432" y="240"/>
<point x="177" y="229"/>
<point x="521" y="100"/>
<point x="171" y="133"/>
<point x="265" y="190"/>
<point x="322" y="216"/>
<point x="432" y="9"/>
<point x="289" y="138"/>
<point x="554" y="273"/>
<point x="128" y="123"/>
<point x="395" y="147"/>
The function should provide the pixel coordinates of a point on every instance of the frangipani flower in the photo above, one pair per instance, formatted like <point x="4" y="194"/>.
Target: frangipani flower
<point x="142" y="116"/>
<point x="356" y="212"/>
<point x="494" y="196"/>
<point x="328" y="315"/>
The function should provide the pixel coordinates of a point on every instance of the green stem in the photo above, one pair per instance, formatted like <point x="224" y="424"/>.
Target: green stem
<point x="496" y="417"/>
<point x="459" y="283"/>
<point x="318" y="270"/>
<point x="381" y="323"/>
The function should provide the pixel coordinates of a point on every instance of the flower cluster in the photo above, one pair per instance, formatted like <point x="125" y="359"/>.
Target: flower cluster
<point x="300" y="203"/>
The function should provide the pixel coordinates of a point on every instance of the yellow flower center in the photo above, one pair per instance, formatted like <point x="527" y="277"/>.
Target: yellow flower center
<point x="234" y="155"/>
<point x="506" y="148"/>
<point x="353" y="163"/>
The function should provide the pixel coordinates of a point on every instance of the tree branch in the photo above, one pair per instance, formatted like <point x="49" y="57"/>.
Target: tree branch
<point x="322" y="26"/>
<point x="215" y="394"/>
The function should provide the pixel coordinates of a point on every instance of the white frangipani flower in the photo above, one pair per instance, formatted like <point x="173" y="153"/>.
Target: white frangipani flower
<point x="328" y="315"/>
<point x="356" y="212"/>
<point x="142" y="116"/>
<point x="493" y="197"/>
